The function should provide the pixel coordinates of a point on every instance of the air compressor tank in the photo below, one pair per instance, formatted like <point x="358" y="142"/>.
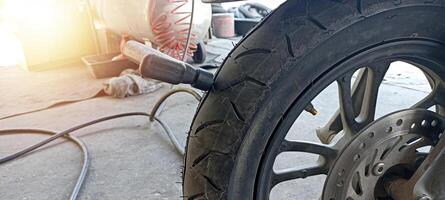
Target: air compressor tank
<point x="163" y="22"/>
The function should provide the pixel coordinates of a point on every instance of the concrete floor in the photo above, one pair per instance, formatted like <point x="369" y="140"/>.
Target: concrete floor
<point x="133" y="159"/>
<point x="130" y="158"/>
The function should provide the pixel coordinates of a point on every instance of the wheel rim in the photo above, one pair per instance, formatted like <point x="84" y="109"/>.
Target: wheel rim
<point x="357" y="106"/>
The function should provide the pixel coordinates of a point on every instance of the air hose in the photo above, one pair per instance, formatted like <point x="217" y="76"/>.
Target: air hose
<point x="77" y="141"/>
<point x="153" y="64"/>
<point x="86" y="161"/>
<point x="175" y="43"/>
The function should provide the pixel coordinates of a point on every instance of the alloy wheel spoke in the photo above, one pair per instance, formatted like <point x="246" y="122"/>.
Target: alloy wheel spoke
<point x="435" y="98"/>
<point x="347" y="112"/>
<point x="366" y="103"/>
<point x="358" y="102"/>
<point x="292" y="174"/>
<point x="440" y="98"/>
<point x="308" y="147"/>
<point x="327" y="153"/>
<point x="426" y="102"/>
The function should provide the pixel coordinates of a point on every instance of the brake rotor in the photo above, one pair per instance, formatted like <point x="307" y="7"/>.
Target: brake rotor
<point x="388" y="143"/>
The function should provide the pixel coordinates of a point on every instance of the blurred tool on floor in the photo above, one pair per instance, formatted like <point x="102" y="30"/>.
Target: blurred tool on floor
<point x="156" y="65"/>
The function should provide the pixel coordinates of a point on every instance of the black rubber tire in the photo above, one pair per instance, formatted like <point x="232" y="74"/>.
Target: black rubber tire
<point x="273" y="68"/>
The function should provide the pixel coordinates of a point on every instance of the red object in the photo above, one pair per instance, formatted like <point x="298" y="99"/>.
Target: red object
<point x="173" y="42"/>
<point x="223" y="25"/>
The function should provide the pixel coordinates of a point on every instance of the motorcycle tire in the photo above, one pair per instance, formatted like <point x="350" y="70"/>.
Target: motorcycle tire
<point x="276" y="67"/>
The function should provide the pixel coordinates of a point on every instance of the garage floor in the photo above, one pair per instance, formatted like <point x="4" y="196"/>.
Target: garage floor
<point x="130" y="158"/>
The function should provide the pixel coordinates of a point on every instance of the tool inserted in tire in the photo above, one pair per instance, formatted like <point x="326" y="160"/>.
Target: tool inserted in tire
<point x="156" y="65"/>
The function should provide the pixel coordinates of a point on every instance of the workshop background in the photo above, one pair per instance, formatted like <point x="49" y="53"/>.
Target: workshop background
<point x="61" y="65"/>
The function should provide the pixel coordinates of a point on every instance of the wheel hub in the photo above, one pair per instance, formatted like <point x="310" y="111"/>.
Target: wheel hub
<point x="387" y="148"/>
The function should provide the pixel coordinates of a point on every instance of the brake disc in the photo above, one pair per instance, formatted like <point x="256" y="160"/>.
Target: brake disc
<point x="390" y="143"/>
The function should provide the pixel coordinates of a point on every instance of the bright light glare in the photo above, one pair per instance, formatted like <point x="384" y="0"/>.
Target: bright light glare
<point x="35" y="14"/>
<point x="30" y="21"/>
<point x="38" y="13"/>
<point x="11" y="53"/>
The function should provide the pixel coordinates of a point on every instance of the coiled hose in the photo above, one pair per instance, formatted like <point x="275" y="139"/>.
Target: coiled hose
<point x="86" y="161"/>
<point x="176" y="43"/>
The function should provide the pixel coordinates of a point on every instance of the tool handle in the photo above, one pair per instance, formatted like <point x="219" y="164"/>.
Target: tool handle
<point x="156" y="65"/>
